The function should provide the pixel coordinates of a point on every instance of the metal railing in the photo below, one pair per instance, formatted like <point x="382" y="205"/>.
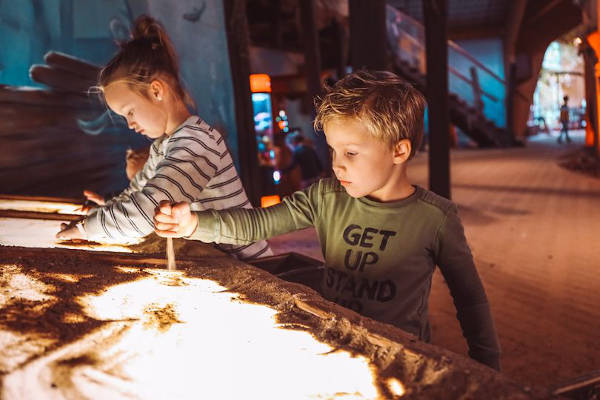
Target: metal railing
<point x="468" y="78"/>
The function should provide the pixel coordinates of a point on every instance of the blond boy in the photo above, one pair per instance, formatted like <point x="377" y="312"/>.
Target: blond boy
<point x="381" y="236"/>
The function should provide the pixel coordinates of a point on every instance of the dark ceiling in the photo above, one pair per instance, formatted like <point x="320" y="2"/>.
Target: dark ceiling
<point x="462" y="13"/>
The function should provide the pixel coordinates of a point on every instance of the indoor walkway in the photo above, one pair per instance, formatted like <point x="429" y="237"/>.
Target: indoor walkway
<point x="534" y="230"/>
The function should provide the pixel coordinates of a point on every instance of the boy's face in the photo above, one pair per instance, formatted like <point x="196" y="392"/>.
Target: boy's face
<point x="364" y="165"/>
<point x="144" y="115"/>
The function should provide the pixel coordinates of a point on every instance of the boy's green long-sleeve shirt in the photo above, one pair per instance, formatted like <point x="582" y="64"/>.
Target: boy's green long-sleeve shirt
<point x="379" y="257"/>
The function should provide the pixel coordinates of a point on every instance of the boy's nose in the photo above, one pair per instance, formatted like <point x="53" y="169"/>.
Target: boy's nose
<point x="335" y="164"/>
<point x="337" y="168"/>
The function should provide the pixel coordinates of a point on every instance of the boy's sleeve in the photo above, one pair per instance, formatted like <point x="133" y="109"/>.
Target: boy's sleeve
<point x="246" y="225"/>
<point x="473" y="311"/>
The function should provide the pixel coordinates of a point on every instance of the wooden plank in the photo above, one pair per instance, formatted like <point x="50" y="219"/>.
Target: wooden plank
<point x="39" y="215"/>
<point x="50" y="199"/>
<point x="60" y="80"/>
<point x="42" y="97"/>
<point x="77" y="66"/>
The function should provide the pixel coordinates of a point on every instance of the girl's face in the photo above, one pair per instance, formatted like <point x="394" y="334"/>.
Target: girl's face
<point x="145" y="115"/>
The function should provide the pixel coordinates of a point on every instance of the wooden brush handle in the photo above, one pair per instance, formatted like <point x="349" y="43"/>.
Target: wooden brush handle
<point x="170" y="255"/>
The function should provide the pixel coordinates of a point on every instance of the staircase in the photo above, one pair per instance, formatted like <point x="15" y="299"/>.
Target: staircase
<point x="406" y="42"/>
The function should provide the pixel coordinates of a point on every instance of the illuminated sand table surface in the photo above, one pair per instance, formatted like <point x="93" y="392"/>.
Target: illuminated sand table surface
<point x="73" y="326"/>
<point x="41" y="233"/>
<point x="40" y="206"/>
<point x="174" y="337"/>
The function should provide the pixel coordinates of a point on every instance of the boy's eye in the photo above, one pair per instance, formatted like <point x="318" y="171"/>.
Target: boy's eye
<point x="130" y="113"/>
<point x="351" y="153"/>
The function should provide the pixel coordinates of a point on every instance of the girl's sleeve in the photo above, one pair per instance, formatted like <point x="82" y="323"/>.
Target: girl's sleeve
<point x="141" y="178"/>
<point x="242" y="226"/>
<point x="181" y="175"/>
<point x="473" y="311"/>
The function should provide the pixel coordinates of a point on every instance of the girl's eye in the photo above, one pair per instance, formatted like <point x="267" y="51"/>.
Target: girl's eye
<point x="351" y="154"/>
<point x="130" y="113"/>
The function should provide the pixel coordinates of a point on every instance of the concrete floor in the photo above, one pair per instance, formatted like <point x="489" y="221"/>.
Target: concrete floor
<point x="534" y="230"/>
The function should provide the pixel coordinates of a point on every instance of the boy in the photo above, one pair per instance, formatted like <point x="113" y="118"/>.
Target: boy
<point x="381" y="236"/>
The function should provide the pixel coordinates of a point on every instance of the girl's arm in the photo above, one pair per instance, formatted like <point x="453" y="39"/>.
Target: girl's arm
<point x="180" y="175"/>
<point x="142" y="177"/>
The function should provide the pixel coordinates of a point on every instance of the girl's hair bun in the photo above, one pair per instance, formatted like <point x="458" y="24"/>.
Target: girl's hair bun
<point x="146" y="27"/>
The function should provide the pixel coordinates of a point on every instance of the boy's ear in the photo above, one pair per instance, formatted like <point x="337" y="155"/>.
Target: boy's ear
<point x="402" y="151"/>
<point x="157" y="90"/>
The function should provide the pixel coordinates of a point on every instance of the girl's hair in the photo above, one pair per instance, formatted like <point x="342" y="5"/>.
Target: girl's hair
<point x="147" y="55"/>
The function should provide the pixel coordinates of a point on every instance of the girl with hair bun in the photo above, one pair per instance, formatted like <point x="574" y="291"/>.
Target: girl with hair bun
<point x="189" y="160"/>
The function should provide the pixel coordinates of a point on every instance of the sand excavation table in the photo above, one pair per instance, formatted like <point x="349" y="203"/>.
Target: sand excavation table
<point x="76" y="323"/>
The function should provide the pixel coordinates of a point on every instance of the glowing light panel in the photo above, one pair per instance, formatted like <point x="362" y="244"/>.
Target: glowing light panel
<point x="41" y="234"/>
<point x="169" y="336"/>
<point x="41" y="206"/>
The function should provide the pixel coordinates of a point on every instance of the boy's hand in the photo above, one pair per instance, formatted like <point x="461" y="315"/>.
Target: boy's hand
<point x="174" y="220"/>
<point x="91" y="197"/>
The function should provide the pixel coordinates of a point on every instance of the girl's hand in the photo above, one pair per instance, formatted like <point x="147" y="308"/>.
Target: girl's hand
<point x="91" y="197"/>
<point x="174" y="220"/>
<point x="135" y="160"/>
<point x="70" y="231"/>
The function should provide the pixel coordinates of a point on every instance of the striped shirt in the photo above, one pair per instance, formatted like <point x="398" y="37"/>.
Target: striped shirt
<point x="193" y="165"/>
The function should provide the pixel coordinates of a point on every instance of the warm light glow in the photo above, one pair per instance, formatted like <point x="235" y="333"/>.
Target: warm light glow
<point x="41" y="206"/>
<point x="577" y="41"/>
<point x="42" y="234"/>
<point x="396" y="387"/>
<point x="260" y="83"/>
<point x="267" y="201"/>
<point x="169" y="336"/>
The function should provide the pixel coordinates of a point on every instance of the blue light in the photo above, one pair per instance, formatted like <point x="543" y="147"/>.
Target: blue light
<point x="272" y="154"/>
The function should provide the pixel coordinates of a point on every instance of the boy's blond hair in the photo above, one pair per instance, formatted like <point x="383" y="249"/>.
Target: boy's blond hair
<point x="390" y="108"/>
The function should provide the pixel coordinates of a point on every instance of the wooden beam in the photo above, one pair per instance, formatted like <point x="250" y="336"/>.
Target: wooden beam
<point x="466" y="32"/>
<point x="312" y="69"/>
<point x="553" y="3"/>
<point x="435" y="13"/>
<point x="514" y="21"/>
<point x="239" y="60"/>
<point x="368" y="36"/>
<point x="39" y="215"/>
<point x="589" y="61"/>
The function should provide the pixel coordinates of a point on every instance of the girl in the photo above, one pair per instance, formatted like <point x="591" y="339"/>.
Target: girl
<point x="188" y="161"/>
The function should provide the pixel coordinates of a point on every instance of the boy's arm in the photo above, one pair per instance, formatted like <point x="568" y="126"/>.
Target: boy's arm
<point x="246" y="225"/>
<point x="473" y="311"/>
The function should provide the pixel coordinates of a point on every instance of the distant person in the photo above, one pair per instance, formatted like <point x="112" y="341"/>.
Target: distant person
<point x="188" y="159"/>
<point x="382" y="237"/>
<point x="564" y="120"/>
<point x="304" y="156"/>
